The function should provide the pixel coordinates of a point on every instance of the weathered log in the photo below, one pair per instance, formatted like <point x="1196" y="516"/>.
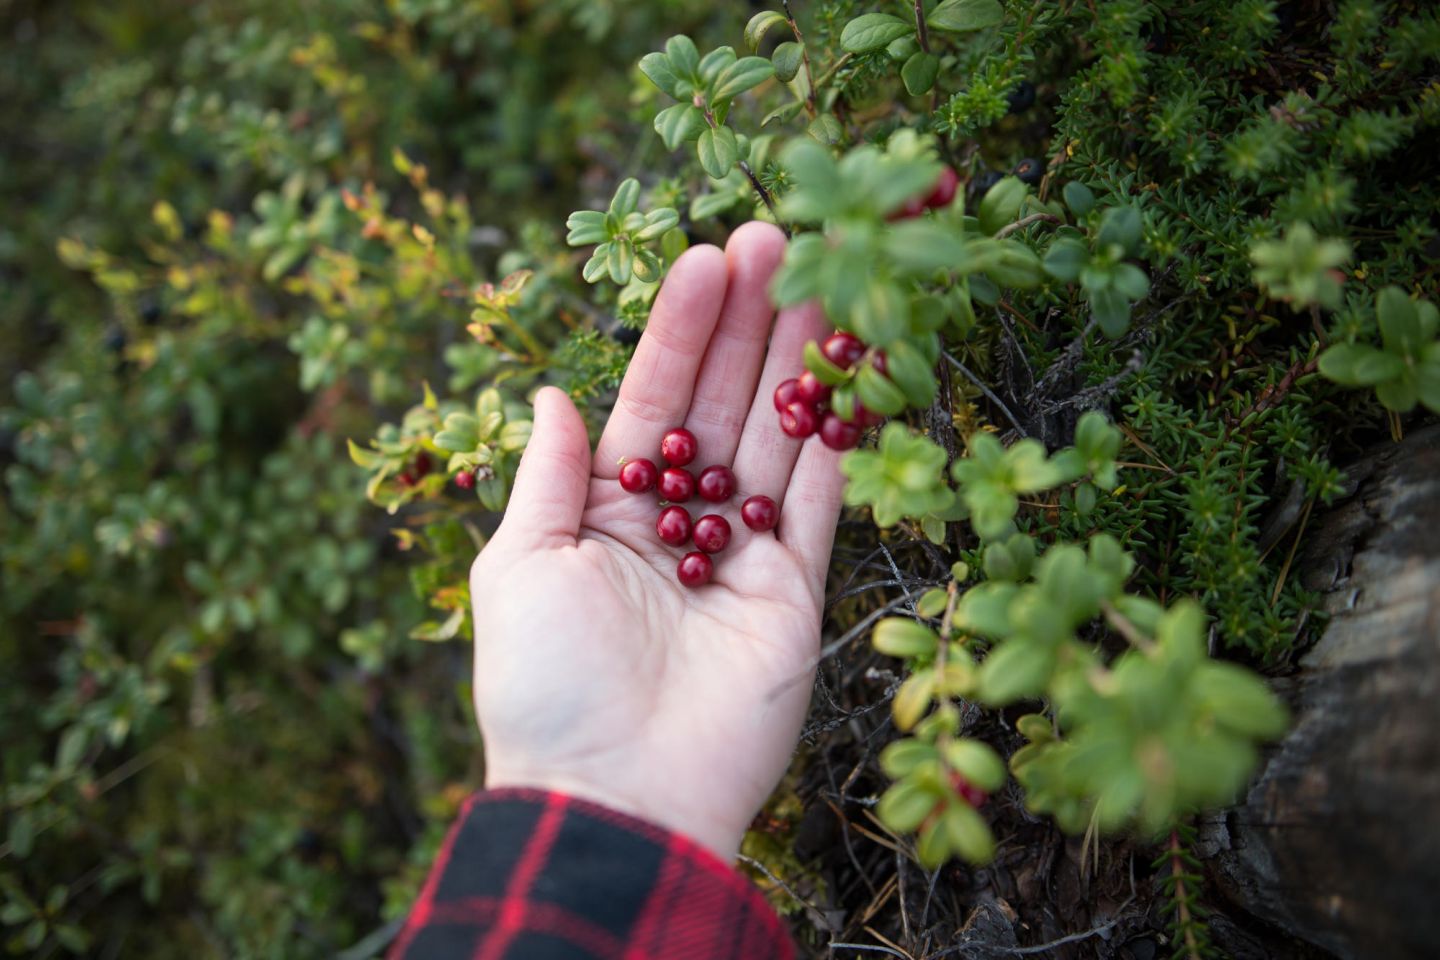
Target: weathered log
<point x="1338" y="841"/>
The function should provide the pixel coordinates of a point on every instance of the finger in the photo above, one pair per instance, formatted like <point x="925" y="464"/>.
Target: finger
<point x="658" y="385"/>
<point x="553" y="478"/>
<point x="726" y="384"/>
<point x="812" y="509"/>
<point x="766" y="455"/>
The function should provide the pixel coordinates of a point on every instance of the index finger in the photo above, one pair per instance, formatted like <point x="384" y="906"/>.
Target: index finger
<point x="655" y="394"/>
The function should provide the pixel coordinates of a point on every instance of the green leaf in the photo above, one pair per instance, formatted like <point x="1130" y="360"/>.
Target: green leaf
<point x="880" y="315"/>
<point x="905" y="806"/>
<point x="1239" y="701"/>
<point x="1079" y="198"/>
<point x="1358" y="365"/>
<point x="786" y="60"/>
<point x="1066" y="258"/>
<point x="1399" y="321"/>
<point x="365" y="459"/>
<point x="871" y="31"/>
<point x="1001" y="204"/>
<point x="825" y="129"/>
<point x="901" y="757"/>
<point x="1013" y="670"/>
<point x="911" y="372"/>
<point x="1122" y="226"/>
<point x="913" y="698"/>
<point x="718" y="151"/>
<point x="684" y="58"/>
<point x="658" y="222"/>
<point x="819" y="364"/>
<point x="714" y="63"/>
<point x="963" y="16"/>
<point x="977" y="762"/>
<point x="1398" y="395"/>
<point x="620" y="261"/>
<point x="967" y="833"/>
<point x="904" y="638"/>
<point x="1111" y="310"/>
<point x="761" y="24"/>
<point x="744" y="74"/>
<point x="626" y="199"/>
<point x="586" y="227"/>
<point x="919" y="72"/>
<point x="657" y="67"/>
<point x="676" y="124"/>
<point x="924" y="246"/>
<point x="596" y="266"/>
<point x="1131" y="281"/>
<point x="878" y="393"/>
<point x="985" y="609"/>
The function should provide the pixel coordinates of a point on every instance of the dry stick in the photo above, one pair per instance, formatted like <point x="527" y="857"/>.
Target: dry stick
<point x="987" y="391"/>
<point x="819" y="916"/>
<point x="865" y="946"/>
<point x="1024" y="222"/>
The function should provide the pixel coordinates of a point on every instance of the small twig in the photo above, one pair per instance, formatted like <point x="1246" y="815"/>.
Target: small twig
<point x="804" y="58"/>
<point x="818" y="917"/>
<point x="980" y="384"/>
<point x="1024" y="222"/>
<point x="922" y="33"/>
<point x="1182" y="908"/>
<point x="865" y="946"/>
<point x="745" y="167"/>
<point x="1290" y="557"/>
<point x="1125" y="628"/>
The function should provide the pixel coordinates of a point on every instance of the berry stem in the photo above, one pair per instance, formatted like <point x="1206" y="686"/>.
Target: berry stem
<point x="804" y="58"/>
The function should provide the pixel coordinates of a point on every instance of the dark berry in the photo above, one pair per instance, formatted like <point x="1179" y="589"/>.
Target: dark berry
<point x="799" y="420"/>
<point x="982" y="184"/>
<point x="679" y="447"/>
<point x="1022" y="98"/>
<point x="911" y="209"/>
<point x="837" y="434"/>
<point x="809" y="389"/>
<point x="867" y="418"/>
<point x="716" y="484"/>
<point x="422" y="466"/>
<point x="114" y="340"/>
<point x="711" y="533"/>
<point x="1030" y="170"/>
<point x="880" y="362"/>
<point x="638" y="476"/>
<point x="944" y="189"/>
<point x="673" y="526"/>
<point x="695" y="569"/>
<point x="843" y="349"/>
<point x="465" y="479"/>
<point x="760" y="513"/>
<point x="785" y="394"/>
<point x="407" y="479"/>
<point x="676" y="485"/>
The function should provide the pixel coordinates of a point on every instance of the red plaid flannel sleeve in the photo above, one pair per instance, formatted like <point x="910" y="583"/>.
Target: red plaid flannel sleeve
<point x="530" y="875"/>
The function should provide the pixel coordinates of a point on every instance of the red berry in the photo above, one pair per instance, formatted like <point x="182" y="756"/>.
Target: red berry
<point x="867" y="418"/>
<point x="637" y="476"/>
<point x="422" y="466"/>
<point x="809" y="389"/>
<point x="679" y="447"/>
<point x="695" y="569"/>
<point x="785" y="394"/>
<point x="711" y="533"/>
<point x="944" y="190"/>
<point x="716" y="484"/>
<point x="676" y="485"/>
<point x="879" y="362"/>
<point x="407" y="479"/>
<point x="760" y="513"/>
<point x="968" y="792"/>
<point x="912" y="209"/>
<point x="837" y="434"/>
<point x="465" y="479"/>
<point x="673" y="526"/>
<point x="843" y="349"/>
<point x="799" y="420"/>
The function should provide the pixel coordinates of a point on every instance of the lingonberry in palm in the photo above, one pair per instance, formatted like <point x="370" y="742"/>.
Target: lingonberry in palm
<point x="843" y="349"/>
<point x="837" y="434"/>
<point x="638" y="476"/>
<point x="798" y="420"/>
<point x="716" y="484"/>
<point x="786" y="394"/>
<point x="711" y="533"/>
<point x="679" y="447"/>
<point x="760" y="513"/>
<point x="676" y="485"/>
<point x="809" y="389"/>
<point x="695" y="569"/>
<point x="673" y="526"/>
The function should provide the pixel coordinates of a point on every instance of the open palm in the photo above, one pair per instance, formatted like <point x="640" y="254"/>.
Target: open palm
<point x="596" y="672"/>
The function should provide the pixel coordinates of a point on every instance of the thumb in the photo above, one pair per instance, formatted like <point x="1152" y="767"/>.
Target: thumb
<point x="553" y="479"/>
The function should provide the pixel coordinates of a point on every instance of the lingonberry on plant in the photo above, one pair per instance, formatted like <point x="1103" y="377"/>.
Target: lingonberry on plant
<point x="679" y="447"/>
<point x="711" y="533"/>
<point x="673" y="526"/>
<point x="716" y="484"/>
<point x="785" y="394"/>
<point x="968" y="792"/>
<point x="837" y="434"/>
<point x="842" y="349"/>
<point x="465" y="479"/>
<point x="422" y="466"/>
<point x="760" y="513"/>
<point x="695" y="569"/>
<point x="944" y="190"/>
<point x="638" y="476"/>
<point x="809" y="389"/>
<point x="798" y="420"/>
<point x="880" y="362"/>
<point x="676" y="485"/>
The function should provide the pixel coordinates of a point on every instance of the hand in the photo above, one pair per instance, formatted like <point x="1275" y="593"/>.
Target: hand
<point x="596" y="672"/>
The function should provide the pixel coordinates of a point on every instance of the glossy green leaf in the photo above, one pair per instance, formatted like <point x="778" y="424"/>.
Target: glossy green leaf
<point x="871" y="31"/>
<point x="787" y="59"/>
<point x="718" y="151"/>
<point x="744" y="74"/>
<point x="761" y="24"/>
<point x="919" y="72"/>
<point x="964" y="16"/>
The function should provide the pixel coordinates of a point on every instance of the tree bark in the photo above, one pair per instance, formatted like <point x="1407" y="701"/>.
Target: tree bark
<point x="1338" y="841"/>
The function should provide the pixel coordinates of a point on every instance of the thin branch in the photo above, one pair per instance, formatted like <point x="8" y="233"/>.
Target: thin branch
<point x="1024" y="222"/>
<point x="804" y="58"/>
<point x="865" y="946"/>
<point x="745" y="167"/>
<point x="988" y="393"/>
<point x="922" y="33"/>
<point x="818" y="917"/>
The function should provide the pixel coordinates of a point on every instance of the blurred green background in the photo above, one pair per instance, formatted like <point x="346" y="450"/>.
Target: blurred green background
<point x="218" y="739"/>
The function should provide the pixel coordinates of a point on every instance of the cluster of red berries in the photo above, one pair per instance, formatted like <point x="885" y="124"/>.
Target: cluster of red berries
<point x="803" y="402"/>
<point x="417" y="471"/>
<point x="676" y="485"/>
